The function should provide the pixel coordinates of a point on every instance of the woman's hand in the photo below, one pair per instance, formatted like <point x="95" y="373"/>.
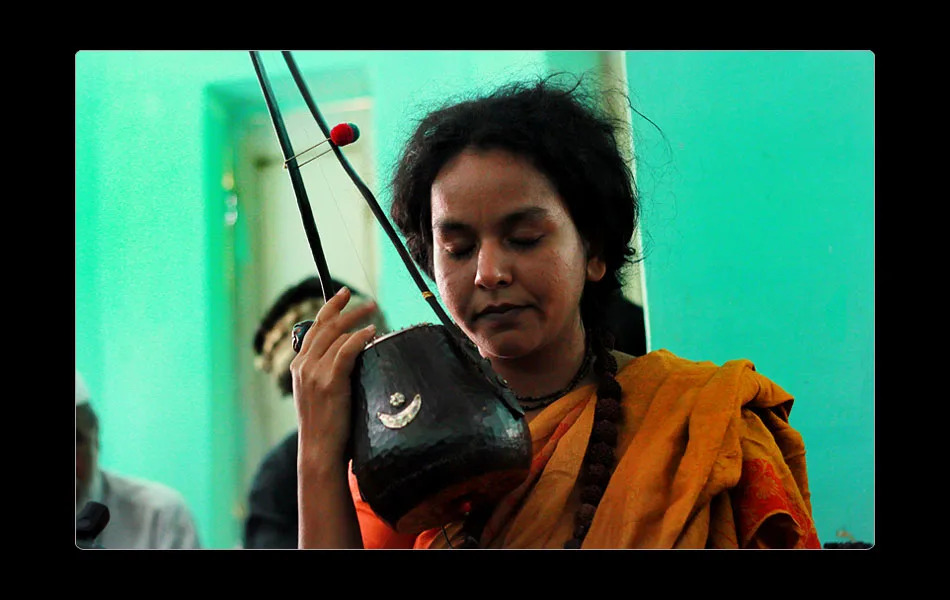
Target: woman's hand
<point x="321" y="376"/>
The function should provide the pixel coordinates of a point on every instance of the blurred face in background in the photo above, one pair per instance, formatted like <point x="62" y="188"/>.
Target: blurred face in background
<point x="87" y="449"/>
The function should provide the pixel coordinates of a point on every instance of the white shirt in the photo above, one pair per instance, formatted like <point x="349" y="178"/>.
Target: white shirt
<point x="142" y="514"/>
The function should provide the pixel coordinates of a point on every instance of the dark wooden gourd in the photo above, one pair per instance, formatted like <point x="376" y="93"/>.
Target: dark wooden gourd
<point x="434" y="432"/>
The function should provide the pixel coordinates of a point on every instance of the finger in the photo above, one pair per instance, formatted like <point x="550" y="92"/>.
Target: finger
<point x="331" y="328"/>
<point x="327" y="313"/>
<point x="349" y="345"/>
<point x="334" y="306"/>
<point x="334" y="348"/>
<point x="346" y="322"/>
<point x="352" y="317"/>
<point x="316" y="370"/>
<point x="345" y="359"/>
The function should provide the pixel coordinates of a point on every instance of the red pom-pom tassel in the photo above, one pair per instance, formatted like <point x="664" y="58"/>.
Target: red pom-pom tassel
<point x="344" y="133"/>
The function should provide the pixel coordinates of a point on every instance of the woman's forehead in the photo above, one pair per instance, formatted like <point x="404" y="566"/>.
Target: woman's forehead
<point x="494" y="168"/>
<point x="492" y="186"/>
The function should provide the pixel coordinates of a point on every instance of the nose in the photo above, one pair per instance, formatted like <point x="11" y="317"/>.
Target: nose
<point x="494" y="267"/>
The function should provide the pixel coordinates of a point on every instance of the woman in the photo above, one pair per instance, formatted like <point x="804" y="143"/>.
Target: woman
<point x="521" y="208"/>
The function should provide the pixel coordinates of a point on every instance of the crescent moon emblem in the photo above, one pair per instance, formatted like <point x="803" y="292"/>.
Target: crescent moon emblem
<point x="403" y="417"/>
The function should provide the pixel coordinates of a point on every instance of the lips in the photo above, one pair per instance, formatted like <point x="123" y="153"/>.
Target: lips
<point x="497" y="310"/>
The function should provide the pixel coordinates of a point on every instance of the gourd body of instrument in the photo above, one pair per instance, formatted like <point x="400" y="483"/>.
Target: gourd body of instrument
<point x="433" y="429"/>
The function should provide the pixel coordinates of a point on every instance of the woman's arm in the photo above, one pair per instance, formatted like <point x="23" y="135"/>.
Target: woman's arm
<point x="321" y="379"/>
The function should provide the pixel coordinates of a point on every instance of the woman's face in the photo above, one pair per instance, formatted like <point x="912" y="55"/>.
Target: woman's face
<point x="508" y="260"/>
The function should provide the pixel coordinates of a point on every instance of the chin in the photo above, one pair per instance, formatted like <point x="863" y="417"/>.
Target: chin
<point x="504" y="345"/>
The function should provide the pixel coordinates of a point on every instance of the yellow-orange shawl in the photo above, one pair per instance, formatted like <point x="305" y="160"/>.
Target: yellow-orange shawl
<point x="706" y="459"/>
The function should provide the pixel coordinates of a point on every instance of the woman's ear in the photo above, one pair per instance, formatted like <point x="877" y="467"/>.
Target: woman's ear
<point x="596" y="268"/>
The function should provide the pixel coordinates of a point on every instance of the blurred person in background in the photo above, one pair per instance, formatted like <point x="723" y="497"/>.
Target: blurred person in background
<point x="142" y="514"/>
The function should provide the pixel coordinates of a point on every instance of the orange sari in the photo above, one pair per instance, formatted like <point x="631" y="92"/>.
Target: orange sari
<point x="705" y="459"/>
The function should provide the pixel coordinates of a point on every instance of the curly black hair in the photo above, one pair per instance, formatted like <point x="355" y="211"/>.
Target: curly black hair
<point x="563" y="131"/>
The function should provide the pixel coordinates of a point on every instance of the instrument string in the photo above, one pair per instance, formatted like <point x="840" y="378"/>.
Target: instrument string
<point x="371" y="284"/>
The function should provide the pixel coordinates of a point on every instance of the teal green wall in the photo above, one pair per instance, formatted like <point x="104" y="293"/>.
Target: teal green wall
<point x="149" y="285"/>
<point x="758" y="228"/>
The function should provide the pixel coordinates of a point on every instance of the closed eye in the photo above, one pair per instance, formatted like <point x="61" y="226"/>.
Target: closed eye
<point x="525" y="242"/>
<point x="458" y="253"/>
<point x="519" y="243"/>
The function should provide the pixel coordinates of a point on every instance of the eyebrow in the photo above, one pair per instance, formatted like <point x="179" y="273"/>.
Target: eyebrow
<point x="510" y="220"/>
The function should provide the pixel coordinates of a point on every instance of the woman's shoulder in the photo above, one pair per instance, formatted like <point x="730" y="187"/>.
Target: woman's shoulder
<point x="662" y="364"/>
<point x="663" y="368"/>
<point x="662" y="360"/>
